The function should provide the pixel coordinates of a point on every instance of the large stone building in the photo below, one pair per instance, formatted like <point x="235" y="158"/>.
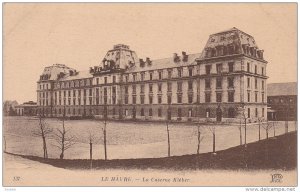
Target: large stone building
<point x="228" y="77"/>
<point x="282" y="101"/>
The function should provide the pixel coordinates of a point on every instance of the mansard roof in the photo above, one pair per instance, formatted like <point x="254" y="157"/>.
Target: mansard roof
<point x="77" y="75"/>
<point x="164" y="63"/>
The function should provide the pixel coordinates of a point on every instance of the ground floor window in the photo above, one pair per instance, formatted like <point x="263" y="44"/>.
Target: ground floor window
<point x="190" y="113"/>
<point x="142" y="112"/>
<point x="231" y="112"/>
<point x="207" y="112"/>
<point x="159" y="112"/>
<point x="150" y="112"/>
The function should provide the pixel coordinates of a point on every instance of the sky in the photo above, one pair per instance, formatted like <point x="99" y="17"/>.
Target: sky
<point x="37" y="35"/>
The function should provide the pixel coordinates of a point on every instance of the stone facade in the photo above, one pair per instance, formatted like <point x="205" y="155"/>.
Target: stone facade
<point x="228" y="77"/>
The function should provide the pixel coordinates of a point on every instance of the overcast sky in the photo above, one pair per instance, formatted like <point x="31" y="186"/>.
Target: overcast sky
<point x="78" y="35"/>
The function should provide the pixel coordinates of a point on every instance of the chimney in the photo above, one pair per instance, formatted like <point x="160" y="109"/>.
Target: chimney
<point x="176" y="57"/>
<point x="184" y="56"/>
<point x="142" y="63"/>
<point x="148" y="61"/>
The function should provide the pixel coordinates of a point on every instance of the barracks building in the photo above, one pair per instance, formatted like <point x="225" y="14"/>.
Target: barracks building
<point x="225" y="82"/>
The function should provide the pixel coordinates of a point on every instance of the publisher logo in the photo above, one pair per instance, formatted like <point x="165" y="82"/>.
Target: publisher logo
<point x="276" y="178"/>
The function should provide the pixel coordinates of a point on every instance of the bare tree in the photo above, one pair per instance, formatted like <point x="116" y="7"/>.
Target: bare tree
<point x="44" y="131"/>
<point x="212" y="128"/>
<point x="63" y="139"/>
<point x="200" y="138"/>
<point x="4" y="139"/>
<point x="104" y="132"/>
<point x="260" y="120"/>
<point x="92" y="139"/>
<point x="267" y="126"/>
<point x="168" y="132"/>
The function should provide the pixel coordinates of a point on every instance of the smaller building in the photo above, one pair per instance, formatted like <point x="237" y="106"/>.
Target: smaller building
<point x="27" y="109"/>
<point x="282" y="101"/>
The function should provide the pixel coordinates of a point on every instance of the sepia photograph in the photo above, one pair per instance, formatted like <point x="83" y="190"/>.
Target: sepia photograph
<point x="149" y="94"/>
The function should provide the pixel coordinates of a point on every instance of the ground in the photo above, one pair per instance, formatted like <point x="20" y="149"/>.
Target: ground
<point x="127" y="140"/>
<point x="279" y="159"/>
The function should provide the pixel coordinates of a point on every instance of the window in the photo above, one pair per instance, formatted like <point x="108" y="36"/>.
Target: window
<point x="207" y="97"/>
<point x="159" y="99"/>
<point x="151" y="75"/>
<point x="190" y="85"/>
<point x="159" y="87"/>
<point x="255" y="96"/>
<point x="126" y="78"/>
<point x="231" y="112"/>
<point x="97" y="80"/>
<point x="256" y="112"/>
<point x="126" y="99"/>
<point x="219" y="97"/>
<point x="190" y="113"/>
<point x="133" y="77"/>
<point x="248" y="94"/>
<point x="263" y="112"/>
<point x="255" y="69"/>
<point x="90" y="92"/>
<point x="207" y="69"/>
<point x="248" y="82"/>
<point x="262" y="70"/>
<point x="105" y="80"/>
<point x="207" y="112"/>
<point x="133" y="99"/>
<point x="170" y="86"/>
<point x="126" y="112"/>
<point x="262" y="85"/>
<point x="142" y="112"/>
<point x="114" y="79"/>
<point x="150" y="112"/>
<point x="230" y="82"/>
<point x="262" y="97"/>
<point x="133" y="89"/>
<point x="179" y="72"/>
<point x="190" y="72"/>
<point x="248" y="67"/>
<point x="190" y="98"/>
<point x="159" y="112"/>
<point x="219" y="68"/>
<point x="169" y="99"/>
<point x="207" y="83"/>
<point x="142" y="76"/>
<point x="142" y="99"/>
<point x="230" y="67"/>
<point x="142" y="88"/>
<point x="170" y="73"/>
<point x="179" y="112"/>
<point x="179" y="98"/>
<point x="249" y="115"/>
<point x="150" y="99"/>
<point x="219" y="82"/>
<point x="160" y="75"/>
<point x="179" y="86"/>
<point x="126" y="89"/>
<point x="255" y="83"/>
<point x="231" y="96"/>
<point x="150" y="88"/>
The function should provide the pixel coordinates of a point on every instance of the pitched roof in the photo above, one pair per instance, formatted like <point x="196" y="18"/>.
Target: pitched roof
<point x="277" y="89"/>
<point x="165" y="63"/>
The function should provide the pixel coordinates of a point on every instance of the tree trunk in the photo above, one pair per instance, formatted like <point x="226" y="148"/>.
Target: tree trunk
<point x="104" y="133"/>
<point x="214" y="142"/>
<point x="45" y="148"/>
<point x="169" y="148"/>
<point x="91" y="155"/>
<point x="259" y="130"/>
<point x="199" y="137"/>
<point x="245" y="132"/>
<point x="240" y="129"/>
